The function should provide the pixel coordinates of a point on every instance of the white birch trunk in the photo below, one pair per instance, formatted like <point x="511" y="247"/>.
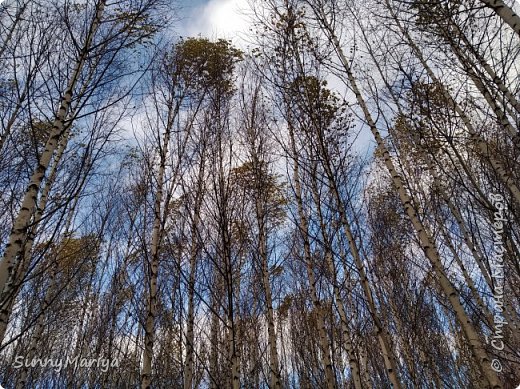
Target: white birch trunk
<point x="505" y="12"/>
<point x="481" y="144"/>
<point x="12" y="29"/>
<point x="347" y="336"/>
<point x="427" y="244"/>
<point x="22" y="264"/>
<point x="383" y="336"/>
<point x="23" y="219"/>
<point x="271" y="332"/>
<point x="318" y="310"/>
<point x="157" y="231"/>
<point x="493" y="77"/>
<point x="190" y="337"/>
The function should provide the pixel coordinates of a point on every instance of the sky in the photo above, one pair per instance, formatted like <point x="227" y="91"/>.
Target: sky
<point x="231" y="19"/>
<point x="214" y="18"/>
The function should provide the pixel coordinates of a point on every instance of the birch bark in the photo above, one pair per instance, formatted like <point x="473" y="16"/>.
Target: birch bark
<point x="23" y="219"/>
<point x="505" y="12"/>
<point x="427" y="244"/>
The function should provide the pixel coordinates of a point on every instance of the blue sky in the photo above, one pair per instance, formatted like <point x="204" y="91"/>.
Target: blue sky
<point x="213" y="18"/>
<point x="230" y="19"/>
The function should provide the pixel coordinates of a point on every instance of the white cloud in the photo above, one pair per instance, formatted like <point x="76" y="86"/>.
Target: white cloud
<point x="219" y="18"/>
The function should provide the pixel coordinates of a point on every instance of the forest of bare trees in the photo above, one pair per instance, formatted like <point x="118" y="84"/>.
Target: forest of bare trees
<point x="335" y="204"/>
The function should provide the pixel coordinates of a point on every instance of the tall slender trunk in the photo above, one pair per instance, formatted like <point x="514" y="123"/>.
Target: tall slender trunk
<point x="347" y="336"/>
<point x="476" y="252"/>
<point x="502" y="117"/>
<point x="426" y="242"/>
<point x="481" y="144"/>
<point x="214" y="371"/>
<point x="37" y="334"/>
<point x="14" y="114"/>
<point x="493" y="77"/>
<point x="261" y="203"/>
<point x="363" y="366"/>
<point x="22" y="264"/>
<point x="271" y="332"/>
<point x="81" y="332"/>
<point x="153" y="260"/>
<point x="231" y="325"/>
<point x="12" y="29"/>
<point x="226" y="256"/>
<point x="234" y="324"/>
<point x="233" y="348"/>
<point x="330" y="380"/>
<point x="406" y="347"/>
<point x="50" y="294"/>
<point x="499" y="113"/>
<point x="161" y="208"/>
<point x="23" y="219"/>
<point x="505" y="12"/>
<point x="382" y="335"/>
<point x="190" y="338"/>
